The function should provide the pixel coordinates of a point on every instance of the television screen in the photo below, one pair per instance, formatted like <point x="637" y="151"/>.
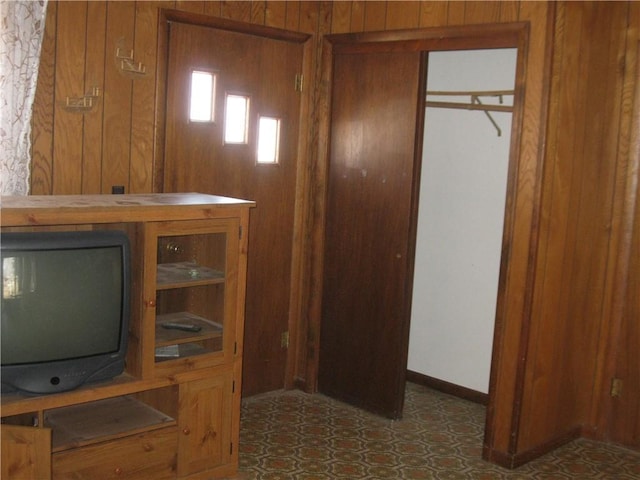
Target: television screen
<point x="59" y="304"/>
<point x="64" y="308"/>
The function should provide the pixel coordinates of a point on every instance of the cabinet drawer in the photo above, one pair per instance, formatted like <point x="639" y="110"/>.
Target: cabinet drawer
<point x="144" y="456"/>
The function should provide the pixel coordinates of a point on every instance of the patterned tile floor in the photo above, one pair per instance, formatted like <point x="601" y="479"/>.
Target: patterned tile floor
<point x="293" y="435"/>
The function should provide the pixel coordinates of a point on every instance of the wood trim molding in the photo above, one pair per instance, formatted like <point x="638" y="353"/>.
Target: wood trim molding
<point x="514" y="460"/>
<point x="534" y="232"/>
<point x="522" y="224"/>
<point x="168" y="15"/>
<point x="448" y="388"/>
<point x="490" y="35"/>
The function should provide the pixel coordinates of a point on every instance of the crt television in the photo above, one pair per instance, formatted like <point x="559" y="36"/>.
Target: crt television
<point x="65" y="309"/>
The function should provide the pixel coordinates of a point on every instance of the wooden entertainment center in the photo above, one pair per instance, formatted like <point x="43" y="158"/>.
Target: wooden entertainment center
<point x="175" y="411"/>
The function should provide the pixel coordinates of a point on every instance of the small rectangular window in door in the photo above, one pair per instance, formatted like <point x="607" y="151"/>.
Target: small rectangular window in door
<point x="268" y="140"/>
<point x="202" y="97"/>
<point x="236" y="119"/>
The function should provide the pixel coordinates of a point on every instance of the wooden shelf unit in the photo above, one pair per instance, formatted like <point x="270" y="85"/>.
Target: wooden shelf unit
<point x="189" y="254"/>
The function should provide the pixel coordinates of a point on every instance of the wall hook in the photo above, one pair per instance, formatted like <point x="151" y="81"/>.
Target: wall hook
<point x="475" y="99"/>
<point x="82" y="104"/>
<point x="128" y="64"/>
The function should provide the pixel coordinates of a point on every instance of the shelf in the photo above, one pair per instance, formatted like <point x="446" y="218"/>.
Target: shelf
<point x="164" y="337"/>
<point x="180" y="351"/>
<point x="175" y="344"/>
<point x="185" y="274"/>
<point x="17" y="403"/>
<point x="102" y="420"/>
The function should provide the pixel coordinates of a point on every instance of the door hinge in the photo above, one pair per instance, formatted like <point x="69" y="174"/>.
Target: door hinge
<point x="284" y="340"/>
<point x="299" y="82"/>
<point x="231" y="449"/>
<point x="233" y="387"/>
<point x="240" y="232"/>
<point x="235" y="348"/>
<point x="616" y="387"/>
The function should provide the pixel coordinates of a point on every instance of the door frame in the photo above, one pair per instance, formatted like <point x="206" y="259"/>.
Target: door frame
<point x="522" y="210"/>
<point x="299" y="249"/>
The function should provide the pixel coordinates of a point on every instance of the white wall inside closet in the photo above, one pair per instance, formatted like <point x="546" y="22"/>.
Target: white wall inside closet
<point x="460" y="220"/>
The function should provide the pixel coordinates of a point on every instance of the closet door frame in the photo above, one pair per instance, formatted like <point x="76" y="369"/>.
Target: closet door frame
<point x="517" y="266"/>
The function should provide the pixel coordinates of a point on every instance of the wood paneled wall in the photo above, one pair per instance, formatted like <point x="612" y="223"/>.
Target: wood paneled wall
<point x="566" y="359"/>
<point x="113" y="144"/>
<point x="582" y="221"/>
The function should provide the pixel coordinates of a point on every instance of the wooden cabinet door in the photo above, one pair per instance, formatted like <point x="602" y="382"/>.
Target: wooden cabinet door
<point x="204" y="420"/>
<point x="192" y="281"/>
<point x="367" y="253"/>
<point x="26" y="453"/>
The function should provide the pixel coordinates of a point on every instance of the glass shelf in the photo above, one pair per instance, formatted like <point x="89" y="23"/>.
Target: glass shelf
<point x="179" y="274"/>
<point x="174" y="343"/>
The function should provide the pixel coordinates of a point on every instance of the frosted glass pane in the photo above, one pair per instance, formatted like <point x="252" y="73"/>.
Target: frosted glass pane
<point x="202" y="95"/>
<point x="268" y="139"/>
<point x="235" y="122"/>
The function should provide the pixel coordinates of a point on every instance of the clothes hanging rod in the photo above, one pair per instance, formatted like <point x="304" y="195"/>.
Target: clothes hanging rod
<point x="474" y="102"/>
<point x="470" y="106"/>
<point x="477" y="93"/>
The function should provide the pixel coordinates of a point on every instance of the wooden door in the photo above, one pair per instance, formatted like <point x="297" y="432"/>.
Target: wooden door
<point x="368" y="237"/>
<point x="197" y="159"/>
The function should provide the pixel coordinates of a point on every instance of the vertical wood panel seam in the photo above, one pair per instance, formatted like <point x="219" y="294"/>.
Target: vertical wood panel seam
<point x="104" y="81"/>
<point x="54" y="102"/>
<point x="453" y="2"/>
<point x="84" y="90"/>
<point x="256" y="19"/>
<point x="131" y="99"/>
<point x="296" y="10"/>
<point x="104" y="84"/>
<point x="503" y="8"/>
<point x="366" y="11"/>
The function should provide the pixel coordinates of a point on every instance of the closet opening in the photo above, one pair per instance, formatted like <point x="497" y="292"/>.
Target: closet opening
<point x="460" y="219"/>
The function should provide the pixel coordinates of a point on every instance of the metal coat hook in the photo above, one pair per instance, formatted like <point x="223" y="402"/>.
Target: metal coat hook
<point x="82" y="104"/>
<point x="127" y="63"/>
<point x="475" y="99"/>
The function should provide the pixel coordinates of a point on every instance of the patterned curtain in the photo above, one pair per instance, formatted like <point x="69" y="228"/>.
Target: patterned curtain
<point x="21" y="32"/>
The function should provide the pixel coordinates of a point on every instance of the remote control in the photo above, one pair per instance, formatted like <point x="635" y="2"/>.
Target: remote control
<point x="181" y="326"/>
